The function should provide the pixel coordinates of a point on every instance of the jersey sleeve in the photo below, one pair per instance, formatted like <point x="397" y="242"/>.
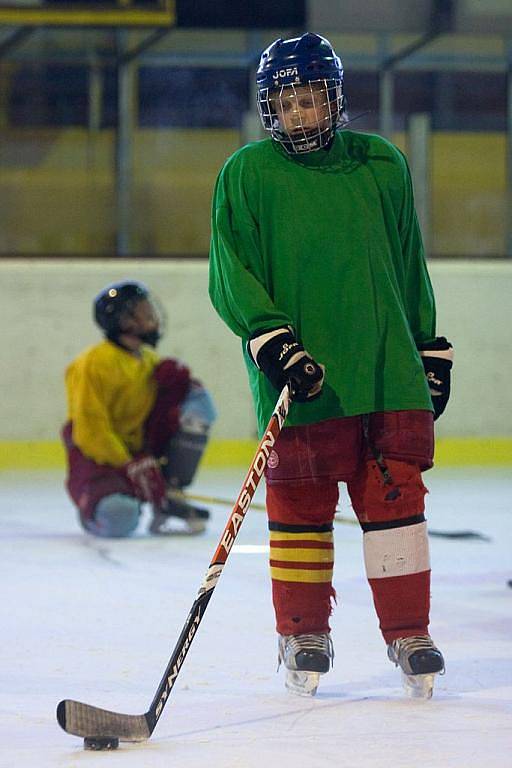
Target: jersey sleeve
<point x="236" y="283"/>
<point x="92" y="428"/>
<point x="421" y="309"/>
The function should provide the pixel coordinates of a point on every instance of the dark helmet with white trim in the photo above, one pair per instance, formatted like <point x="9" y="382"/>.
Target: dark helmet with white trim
<point x="308" y="63"/>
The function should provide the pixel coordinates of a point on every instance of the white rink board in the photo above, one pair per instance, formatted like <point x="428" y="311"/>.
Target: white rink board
<point x="45" y="314"/>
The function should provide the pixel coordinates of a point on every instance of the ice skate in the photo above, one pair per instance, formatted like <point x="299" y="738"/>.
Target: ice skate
<point x="178" y="517"/>
<point x="420" y="661"/>
<point x="305" y="657"/>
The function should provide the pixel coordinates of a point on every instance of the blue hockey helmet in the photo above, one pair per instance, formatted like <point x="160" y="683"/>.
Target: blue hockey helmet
<point x="289" y="69"/>
<point x="116" y="302"/>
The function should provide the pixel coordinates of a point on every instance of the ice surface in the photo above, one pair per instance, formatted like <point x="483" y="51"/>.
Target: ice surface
<point x="97" y="620"/>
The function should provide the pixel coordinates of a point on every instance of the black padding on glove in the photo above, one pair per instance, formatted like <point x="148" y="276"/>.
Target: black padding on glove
<point x="282" y="359"/>
<point x="437" y="370"/>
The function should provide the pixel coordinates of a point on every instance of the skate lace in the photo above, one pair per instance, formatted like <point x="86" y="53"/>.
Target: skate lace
<point x="409" y="645"/>
<point x="297" y="643"/>
<point x="403" y="648"/>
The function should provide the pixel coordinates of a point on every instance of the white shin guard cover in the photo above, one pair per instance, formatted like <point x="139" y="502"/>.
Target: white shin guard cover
<point x="397" y="551"/>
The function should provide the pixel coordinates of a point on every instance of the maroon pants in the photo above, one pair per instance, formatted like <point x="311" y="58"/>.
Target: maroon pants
<point x="88" y="482"/>
<point x="380" y="457"/>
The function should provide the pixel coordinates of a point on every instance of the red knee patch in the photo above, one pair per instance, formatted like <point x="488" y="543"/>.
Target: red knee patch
<point x="306" y="503"/>
<point x="375" y="501"/>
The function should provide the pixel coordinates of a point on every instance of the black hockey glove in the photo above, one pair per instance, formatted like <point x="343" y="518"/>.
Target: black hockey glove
<point x="282" y="359"/>
<point x="437" y="357"/>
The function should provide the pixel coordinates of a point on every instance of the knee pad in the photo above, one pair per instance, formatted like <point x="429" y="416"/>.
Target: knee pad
<point x="197" y="411"/>
<point x="398" y="548"/>
<point x="182" y="457"/>
<point x="375" y="501"/>
<point x="186" y="447"/>
<point x="116" y="516"/>
<point x="395" y="541"/>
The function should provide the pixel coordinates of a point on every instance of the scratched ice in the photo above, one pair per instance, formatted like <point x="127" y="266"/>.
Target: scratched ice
<point x="97" y="620"/>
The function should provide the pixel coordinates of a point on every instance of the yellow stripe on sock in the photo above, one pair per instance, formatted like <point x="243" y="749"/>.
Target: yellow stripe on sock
<point x="302" y="555"/>
<point x="298" y="537"/>
<point x="299" y="575"/>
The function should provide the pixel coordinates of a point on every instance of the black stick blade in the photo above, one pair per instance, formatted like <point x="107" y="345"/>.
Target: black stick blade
<point x="94" y="722"/>
<point x="459" y="535"/>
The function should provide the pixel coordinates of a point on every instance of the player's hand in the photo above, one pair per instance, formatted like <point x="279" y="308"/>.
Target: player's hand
<point x="146" y="479"/>
<point x="282" y="359"/>
<point x="437" y="357"/>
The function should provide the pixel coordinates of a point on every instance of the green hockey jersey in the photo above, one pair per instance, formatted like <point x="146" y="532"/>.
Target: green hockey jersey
<point x="328" y="243"/>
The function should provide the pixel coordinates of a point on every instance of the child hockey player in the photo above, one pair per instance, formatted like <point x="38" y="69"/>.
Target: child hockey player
<point x="137" y="424"/>
<point x="317" y="263"/>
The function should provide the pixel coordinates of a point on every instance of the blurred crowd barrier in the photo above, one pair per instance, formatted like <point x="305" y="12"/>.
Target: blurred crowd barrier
<point x="58" y="191"/>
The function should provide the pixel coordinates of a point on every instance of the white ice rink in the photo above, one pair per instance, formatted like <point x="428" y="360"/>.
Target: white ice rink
<point x="97" y="620"/>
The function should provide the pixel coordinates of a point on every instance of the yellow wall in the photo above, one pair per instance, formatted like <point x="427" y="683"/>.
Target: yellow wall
<point x="450" y="452"/>
<point x="57" y="191"/>
<point x="469" y="194"/>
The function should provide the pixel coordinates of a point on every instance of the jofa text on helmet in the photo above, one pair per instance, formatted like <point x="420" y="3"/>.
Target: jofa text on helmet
<point x="286" y="72"/>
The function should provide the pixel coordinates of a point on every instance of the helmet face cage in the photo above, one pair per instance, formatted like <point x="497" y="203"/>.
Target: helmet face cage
<point x="283" y="113"/>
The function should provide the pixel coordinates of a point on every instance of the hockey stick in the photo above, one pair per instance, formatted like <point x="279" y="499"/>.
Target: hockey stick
<point x="103" y="729"/>
<point x="464" y="534"/>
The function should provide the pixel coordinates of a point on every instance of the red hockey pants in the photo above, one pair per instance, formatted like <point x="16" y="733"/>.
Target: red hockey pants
<point x="380" y="457"/>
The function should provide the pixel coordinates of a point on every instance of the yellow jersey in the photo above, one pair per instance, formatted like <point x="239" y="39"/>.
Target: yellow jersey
<point x="110" y="394"/>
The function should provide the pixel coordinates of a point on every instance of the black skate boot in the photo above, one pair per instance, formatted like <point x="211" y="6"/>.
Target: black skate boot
<point x="420" y="661"/>
<point x="305" y="657"/>
<point x="178" y="517"/>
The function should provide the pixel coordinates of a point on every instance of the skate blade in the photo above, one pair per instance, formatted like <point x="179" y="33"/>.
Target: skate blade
<point x="418" y="686"/>
<point x="302" y="683"/>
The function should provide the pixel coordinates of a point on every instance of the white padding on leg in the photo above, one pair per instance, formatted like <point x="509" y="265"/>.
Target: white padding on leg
<point x="396" y="551"/>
